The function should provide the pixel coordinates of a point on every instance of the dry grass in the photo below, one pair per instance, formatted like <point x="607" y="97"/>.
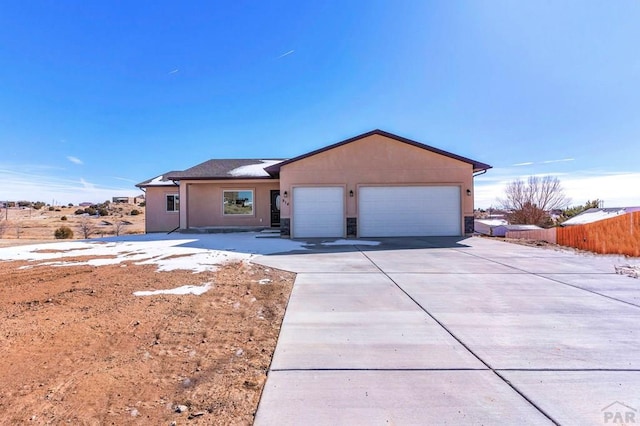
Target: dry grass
<point x="31" y="224"/>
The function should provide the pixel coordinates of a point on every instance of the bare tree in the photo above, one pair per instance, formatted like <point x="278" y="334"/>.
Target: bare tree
<point x="118" y="227"/>
<point x="530" y="202"/>
<point x="87" y="227"/>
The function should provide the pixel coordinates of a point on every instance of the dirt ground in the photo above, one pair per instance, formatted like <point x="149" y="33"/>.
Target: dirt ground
<point x="77" y="347"/>
<point x="27" y="223"/>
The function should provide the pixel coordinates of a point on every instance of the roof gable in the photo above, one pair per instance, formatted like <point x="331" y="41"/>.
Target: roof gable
<point x="477" y="166"/>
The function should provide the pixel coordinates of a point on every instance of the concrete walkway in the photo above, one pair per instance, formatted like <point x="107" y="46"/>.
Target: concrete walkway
<point x="439" y="331"/>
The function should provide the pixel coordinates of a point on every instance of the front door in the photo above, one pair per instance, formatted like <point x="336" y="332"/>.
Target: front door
<point x="275" y="208"/>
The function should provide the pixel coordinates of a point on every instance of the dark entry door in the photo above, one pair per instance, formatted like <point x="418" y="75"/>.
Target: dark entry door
<point x="275" y="208"/>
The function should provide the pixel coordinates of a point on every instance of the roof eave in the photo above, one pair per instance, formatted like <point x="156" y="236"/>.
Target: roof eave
<point x="225" y="178"/>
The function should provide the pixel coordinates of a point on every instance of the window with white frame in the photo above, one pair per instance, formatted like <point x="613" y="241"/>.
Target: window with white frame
<point x="238" y="202"/>
<point x="173" y="202"/>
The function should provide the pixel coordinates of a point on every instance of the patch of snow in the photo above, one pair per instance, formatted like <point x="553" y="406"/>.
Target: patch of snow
<point x="254" y="170"/>
<point x="158" y="181"/>
<point x="185" y="289"/>
<point x="590" y="217"/>
<point x="168" y="252"/>
<point x="492" y="222"/>
<point x="264" y="281"/>
<point x="351" y="243"/>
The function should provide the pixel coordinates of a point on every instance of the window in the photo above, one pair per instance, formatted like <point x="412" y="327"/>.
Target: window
<point x="238" y="203"/>
<point x="173" y="202"/>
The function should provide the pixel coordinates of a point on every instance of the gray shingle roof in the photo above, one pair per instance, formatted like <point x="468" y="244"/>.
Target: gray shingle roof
<point x="161" y="180"/>
<point x="227" y="169"/>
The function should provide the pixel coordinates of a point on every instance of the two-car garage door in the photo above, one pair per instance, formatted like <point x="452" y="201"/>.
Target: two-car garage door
<point x="404" y="211"/>
<point x="383" y="211"/>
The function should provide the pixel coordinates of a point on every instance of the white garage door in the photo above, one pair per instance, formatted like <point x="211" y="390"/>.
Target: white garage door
<point x="318" y="212"/>
<point x="404" y="211"/>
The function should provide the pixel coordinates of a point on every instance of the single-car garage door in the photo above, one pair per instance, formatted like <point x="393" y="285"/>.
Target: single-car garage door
<point x="318" y="212"/>
<point x="404" y="211"/>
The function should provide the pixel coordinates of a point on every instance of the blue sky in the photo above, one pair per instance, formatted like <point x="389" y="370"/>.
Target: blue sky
<point x="97" y="96"/>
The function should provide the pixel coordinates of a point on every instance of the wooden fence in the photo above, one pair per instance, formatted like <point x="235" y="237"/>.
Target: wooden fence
<point x="548" y="235"/>
<point x="618" y="235"/>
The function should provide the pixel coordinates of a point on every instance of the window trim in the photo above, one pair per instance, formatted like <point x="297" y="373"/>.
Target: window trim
<point x="166" y="202"/>
<point x="253" y="201"/>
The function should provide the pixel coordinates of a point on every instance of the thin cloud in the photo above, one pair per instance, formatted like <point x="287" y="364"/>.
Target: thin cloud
<point x="174" y="71"/>
<point x="530" y="163"/>
<point x="87" y="185"/>
<point x="74" y="160"/>
<point x="286" y="54"/>
<point x="562" y="160"/>
<point x="124" y="179"/>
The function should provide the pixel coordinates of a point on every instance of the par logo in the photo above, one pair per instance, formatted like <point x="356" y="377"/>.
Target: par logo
<point x="619" y="413"/>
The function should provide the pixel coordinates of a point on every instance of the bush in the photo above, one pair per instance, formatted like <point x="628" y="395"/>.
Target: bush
<point x="79" y="211"/>
<point x="134" y="212"/>
<point x="51" y="208"/>
<point x="63" y="233"/>
<point x="63" y="218"/>
<point x="91" y="211"/>
<point x="102" y="211"/>
<point x="142" y="204"/>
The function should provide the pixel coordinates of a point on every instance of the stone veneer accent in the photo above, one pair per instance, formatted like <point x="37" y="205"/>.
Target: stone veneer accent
<point x="468" y="225"/>
<point x="352" y="227"/>
<point x="285" y="227"/>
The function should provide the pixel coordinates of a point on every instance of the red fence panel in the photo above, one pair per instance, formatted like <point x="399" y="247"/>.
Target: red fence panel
<point x="618" y="235"/>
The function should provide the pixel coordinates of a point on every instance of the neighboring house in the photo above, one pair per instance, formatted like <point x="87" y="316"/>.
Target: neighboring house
<point x="501" y="230"/>
<point x="485" y="226"/>
<point x="130" y="200"/>
<point x="597" y="214"/>
<point x="373" y="185"/>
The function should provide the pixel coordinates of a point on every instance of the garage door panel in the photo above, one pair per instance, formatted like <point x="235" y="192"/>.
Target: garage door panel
<point x="318" y="212"/>
<point x="409" y="211"/>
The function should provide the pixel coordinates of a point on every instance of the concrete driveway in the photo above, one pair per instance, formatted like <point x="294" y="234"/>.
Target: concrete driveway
<point x="467" y="331"/>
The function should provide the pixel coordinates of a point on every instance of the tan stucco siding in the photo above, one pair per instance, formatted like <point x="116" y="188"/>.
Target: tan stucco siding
<point x="157" y="218"/>
<point x="377" y="160"/>
<point x="204" y="203"/>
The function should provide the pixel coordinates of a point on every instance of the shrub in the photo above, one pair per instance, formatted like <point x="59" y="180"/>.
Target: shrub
<point x="79" y="211"/>
<point x="51" y="208"/>
<point x="63" y="233"/>
<point x="63" y="218"/>
<point x="102" y="211"/>
<point x="91" y="211"/>
<point x="134" y="212"/>
<point x="142" y="204"/>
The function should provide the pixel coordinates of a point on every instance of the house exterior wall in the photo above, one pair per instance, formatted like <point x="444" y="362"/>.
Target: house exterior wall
<point x="376" y="160"/>
<point x="157" y="218"/>
<point x="202" y="203"/>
